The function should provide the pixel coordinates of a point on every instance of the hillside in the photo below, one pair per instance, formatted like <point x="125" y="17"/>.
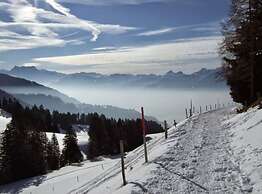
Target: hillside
<point x="215" y="152"/>
<point x="32" y="93"/>
<point x="15" y="85"/>
<point x="4" y="94"/>
<point x="55" y="103"/>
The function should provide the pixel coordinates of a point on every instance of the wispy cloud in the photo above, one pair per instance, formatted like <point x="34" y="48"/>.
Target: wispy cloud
<point x="13" y="41"/>
<point x="65" y="11"/>
<point x="104" y="48"/>
<point x="186" y="54"/>
<point x="111" y="2"/>
<point x="156" y="32"/>
<point x="211" y="27"/>
<point x="46" y="27"/>
<point x="59" y="7"/>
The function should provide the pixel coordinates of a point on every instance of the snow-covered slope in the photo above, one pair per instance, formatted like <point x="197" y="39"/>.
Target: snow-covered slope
<point x="196" y="158"/>
<point x="70" y="179"/>
<point x="246" y="133"/>
<point x="215" y="152"/>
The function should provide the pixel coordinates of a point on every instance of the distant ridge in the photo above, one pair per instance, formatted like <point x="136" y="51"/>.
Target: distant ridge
<point x="204" y="78"/>
<point x="15" y="85"/>
<point x="32" y="73"/>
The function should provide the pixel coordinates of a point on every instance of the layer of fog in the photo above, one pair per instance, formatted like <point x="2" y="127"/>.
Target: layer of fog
<point x="163" y="104"/>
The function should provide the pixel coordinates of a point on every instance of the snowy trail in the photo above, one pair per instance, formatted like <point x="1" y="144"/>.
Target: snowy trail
<point x="197" y="157"/>
<point x="203" y="156"/>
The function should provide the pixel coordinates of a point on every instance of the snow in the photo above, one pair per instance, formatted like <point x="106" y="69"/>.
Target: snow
<point x="81" y="134"/>
<point x="72" y="178"/>
<point x="81" y="129"/>
<point x="60" y="181"/>
<point x="196" y="158"/>
<point x="214" y="152"/>
<point x="83" y="139"/>
<point x="4" y="120"/>
<point x="246" y="133"/>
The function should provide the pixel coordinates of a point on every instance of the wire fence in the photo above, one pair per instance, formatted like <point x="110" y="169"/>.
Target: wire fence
<point x="108" y="170"/>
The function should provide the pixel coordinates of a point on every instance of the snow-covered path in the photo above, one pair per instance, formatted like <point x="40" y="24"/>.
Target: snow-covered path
<point x="197" y="157"/>
<point x="201" y="160"/>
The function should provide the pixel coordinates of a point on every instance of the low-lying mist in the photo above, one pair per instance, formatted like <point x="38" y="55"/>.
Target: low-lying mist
<point x="164" y="104"/>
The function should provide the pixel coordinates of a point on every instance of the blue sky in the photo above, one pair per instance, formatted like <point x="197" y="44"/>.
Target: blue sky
<point x="111" y="36"/>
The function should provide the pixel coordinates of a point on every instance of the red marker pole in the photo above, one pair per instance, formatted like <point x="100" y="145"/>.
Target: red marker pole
<point x="144" y="133"/>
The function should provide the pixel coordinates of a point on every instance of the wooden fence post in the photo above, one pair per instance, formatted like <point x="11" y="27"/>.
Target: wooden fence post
<point x="191" y="108"/>
<point x="200" y="109"/>
<point x="122" y="161"/>
<point x="175" y="123"/>
<point x="165" y="129"/>
<point x="144" y="134"/>
<point x="186" y="114"/>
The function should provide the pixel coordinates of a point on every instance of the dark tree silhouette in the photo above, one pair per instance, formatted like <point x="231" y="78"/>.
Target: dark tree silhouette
<point x="70" y="153"/>
<point x="22" y="153"/>
<point x="242" y="50"/>
<point x="53" y="154"/>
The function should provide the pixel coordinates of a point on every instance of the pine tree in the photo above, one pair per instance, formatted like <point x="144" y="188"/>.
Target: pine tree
<point x="23" y="153"/>
<point x="15" y="154"/>
<point x="7" y="147"/>
<point x="53" y="153"/>
<point x="71" y="152"/>
<point x="242" y="50"/>
<point x="4" y="103"/>
<point x="38" y="144"/>
<point x="94" y="137"/>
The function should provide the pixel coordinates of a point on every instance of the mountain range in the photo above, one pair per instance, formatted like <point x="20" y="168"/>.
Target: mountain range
<point x="31" y="93"/>
<point x="205" y="78"/>
<point x="35" y="86"/>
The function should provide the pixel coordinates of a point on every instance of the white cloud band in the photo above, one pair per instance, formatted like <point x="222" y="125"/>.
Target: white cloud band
<point x="188" y="54"/>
